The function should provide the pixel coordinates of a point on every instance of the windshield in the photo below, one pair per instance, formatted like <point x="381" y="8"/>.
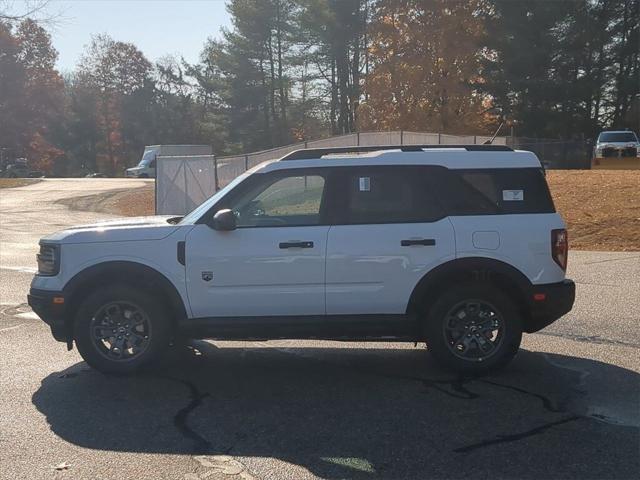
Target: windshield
<point x="147" y="157"/>
<point x="207" y="204"/>
<point x="617" y="137"/>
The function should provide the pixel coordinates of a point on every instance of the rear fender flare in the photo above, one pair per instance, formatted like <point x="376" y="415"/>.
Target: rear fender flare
<point x="480" y="269"/>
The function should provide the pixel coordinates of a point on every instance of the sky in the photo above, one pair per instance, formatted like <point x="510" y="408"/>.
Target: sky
<point x="156" y="27"/>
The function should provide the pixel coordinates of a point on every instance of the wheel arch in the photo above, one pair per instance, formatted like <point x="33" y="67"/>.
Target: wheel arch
<point x="511" y="280"/>
<point x="120" y="271"/>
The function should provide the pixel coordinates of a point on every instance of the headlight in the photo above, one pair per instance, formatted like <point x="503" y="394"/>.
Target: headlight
<point x="598" y="151"/>
<point x="48" y="260"/>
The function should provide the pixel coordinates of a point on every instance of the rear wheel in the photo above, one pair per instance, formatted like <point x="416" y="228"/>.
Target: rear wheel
<point x="120" y="329"/>
<point x="473" y="328"/>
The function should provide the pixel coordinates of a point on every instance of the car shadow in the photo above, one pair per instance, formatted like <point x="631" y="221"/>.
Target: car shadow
<point x="353" y="412"/>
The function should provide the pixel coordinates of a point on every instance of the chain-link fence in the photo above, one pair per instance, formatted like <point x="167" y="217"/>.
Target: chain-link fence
<point x="183" y="182"/>
<point x="561" y="154"/>
<point x="230" y="167"/>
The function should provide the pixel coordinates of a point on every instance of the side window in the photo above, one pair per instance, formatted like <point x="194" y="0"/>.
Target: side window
<point x="152" y="164"/>
<point x="281" y="201"/>
<point x="389" y="195"/>
<point x="493" y="191"/>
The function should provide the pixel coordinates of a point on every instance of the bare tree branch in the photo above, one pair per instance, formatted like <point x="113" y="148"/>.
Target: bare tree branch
<point x="38" y="10"/>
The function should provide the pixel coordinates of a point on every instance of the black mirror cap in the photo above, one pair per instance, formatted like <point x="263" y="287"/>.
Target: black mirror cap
<point x="224" y="220"/>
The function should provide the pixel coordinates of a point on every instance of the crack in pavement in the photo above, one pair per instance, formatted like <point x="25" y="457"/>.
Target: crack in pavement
<point x="460" y="391"/>
<point x="517" y="436"/>
<point x="595" y="339"/>
<point x="546" y="402"/>
<point x="180" y="419"/>
<point x="201" y="444"/>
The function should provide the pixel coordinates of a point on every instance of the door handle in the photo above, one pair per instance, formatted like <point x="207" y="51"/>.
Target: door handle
<point x="427" y="242"/>
<point x="296" y="244"/>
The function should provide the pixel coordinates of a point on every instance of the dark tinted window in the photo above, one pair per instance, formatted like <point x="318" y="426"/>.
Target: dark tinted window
<point x="389" y="195"/>
<point x="493" y="191"/>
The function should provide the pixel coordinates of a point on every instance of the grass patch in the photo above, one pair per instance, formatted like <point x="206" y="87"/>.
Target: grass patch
<point x="601" y="207"/>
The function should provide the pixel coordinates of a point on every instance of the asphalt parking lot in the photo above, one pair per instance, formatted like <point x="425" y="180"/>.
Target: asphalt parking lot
<point x="567" y="407"/>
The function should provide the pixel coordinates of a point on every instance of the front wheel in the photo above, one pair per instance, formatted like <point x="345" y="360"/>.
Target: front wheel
<point x="473" y="328"/>
<point x="119" y="329"/>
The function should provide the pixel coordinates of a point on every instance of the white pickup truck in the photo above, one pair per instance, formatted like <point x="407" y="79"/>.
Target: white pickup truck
<point x="616" y="150"/>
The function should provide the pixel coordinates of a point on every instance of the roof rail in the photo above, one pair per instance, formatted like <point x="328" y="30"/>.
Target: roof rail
<point x="310" y="153"/>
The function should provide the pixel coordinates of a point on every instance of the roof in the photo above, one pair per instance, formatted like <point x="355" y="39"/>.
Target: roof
<point x="450" y="156"/>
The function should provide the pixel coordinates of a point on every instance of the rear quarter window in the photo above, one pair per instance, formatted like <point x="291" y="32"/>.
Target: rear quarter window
<point x="493" y="191"/>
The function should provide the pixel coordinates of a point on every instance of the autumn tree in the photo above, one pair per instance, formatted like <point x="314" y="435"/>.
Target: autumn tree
<point x="118" y="71"/>
<point x="12" y="78"/>
<point x="43" y="91"/>
<point x="30" y="93"/>
<point x="425" y="58"/>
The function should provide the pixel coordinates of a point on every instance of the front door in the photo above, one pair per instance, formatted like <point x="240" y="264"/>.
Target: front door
<point x="274" y="262"/>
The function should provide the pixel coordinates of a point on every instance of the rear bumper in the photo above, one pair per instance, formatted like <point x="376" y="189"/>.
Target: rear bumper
<point x="548" y="303"/>
<point x="52" y="313"/>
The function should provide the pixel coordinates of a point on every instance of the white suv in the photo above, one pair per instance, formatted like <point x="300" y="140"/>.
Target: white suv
<point x="459" y="247"/>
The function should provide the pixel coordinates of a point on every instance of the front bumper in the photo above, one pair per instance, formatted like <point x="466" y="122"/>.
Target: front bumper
<point x="615" y="163"/>
<point x="607" y="152"/>
<point x="48" y="306"/>
<point x="549" y="302"/>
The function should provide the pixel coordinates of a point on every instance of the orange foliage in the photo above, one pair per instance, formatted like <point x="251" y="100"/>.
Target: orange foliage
<point x="424" y="62"/>
<point x="42" y="154"/>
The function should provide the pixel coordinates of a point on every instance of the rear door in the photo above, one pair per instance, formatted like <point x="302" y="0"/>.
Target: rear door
<point x="388" y="233"/>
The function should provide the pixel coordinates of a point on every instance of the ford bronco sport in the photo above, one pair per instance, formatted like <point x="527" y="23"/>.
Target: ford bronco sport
<point x="459" y="247"/>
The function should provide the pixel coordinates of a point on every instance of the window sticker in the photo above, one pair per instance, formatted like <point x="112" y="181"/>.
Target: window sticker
<point x="365" y="184"/>
<point x="513" y="195"/>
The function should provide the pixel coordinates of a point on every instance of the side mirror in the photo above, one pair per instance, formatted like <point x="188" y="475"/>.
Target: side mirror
<point x="224" y="220"/>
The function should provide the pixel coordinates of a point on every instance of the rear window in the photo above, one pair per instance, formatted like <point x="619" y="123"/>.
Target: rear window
<point x="617" y="137"/>
<point x="493" y="191"/>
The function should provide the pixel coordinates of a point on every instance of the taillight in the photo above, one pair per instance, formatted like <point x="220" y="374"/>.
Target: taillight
<point x="560" y="247"/>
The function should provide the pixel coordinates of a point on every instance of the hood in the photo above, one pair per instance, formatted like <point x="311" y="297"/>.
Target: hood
<point x="119" y="230"/>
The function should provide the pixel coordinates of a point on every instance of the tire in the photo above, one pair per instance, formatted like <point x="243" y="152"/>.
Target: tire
<point x="121" y="329"/>
<point x="473" y="328"/>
